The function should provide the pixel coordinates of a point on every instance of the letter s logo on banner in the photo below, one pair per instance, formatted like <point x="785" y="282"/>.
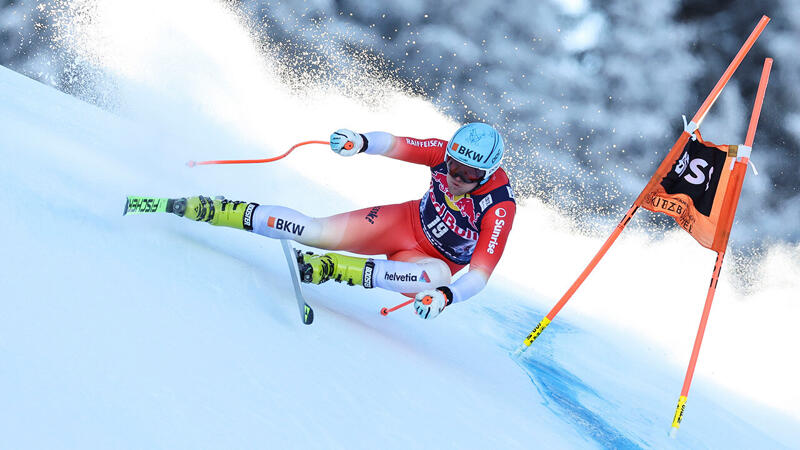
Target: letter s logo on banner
<point x="696" y="167"/>
<point x="680" y="167"/>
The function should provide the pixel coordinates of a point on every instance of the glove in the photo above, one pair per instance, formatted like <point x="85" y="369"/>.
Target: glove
<point x="430" y="303"/>
<point x="347" y="143"/>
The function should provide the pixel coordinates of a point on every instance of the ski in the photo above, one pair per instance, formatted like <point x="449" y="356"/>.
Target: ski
<point x="141" y="205"/>
<point x="306" y="313"/>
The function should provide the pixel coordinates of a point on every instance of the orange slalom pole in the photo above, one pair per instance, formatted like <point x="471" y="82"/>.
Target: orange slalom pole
<point x="253" y="161"/>
<point x="729" y="205"/>
<point x="676" y="421"/>
<point x="740" y="167"/>
<point x="715" y="93"/>
<point x="576" y="284"/>
<point x="385" y="311"/>
<point x="762" y="90"/>
<point x="663" y="168"/>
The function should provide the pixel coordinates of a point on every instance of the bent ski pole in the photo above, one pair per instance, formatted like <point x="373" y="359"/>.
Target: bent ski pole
<point x="254" y="161"/>
<point x="385" y="311"/>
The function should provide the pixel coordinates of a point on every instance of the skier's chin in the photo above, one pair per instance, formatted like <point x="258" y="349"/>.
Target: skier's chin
<point x="458" y="188"/>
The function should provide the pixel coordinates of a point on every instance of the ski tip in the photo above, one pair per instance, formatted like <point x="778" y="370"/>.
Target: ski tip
<point x="140" y="205"/>
<point x="384" y="312"/>
<point x="191" y="163"/>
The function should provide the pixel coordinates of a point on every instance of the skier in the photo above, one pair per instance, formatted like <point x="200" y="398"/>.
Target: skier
<point x="464" y="218"/>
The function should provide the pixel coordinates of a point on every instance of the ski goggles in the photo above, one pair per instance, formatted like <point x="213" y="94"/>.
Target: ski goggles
<point x="464" y="172"/>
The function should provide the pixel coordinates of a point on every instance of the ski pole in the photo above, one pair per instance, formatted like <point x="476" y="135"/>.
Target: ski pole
<point x="385" y="311"/>
<point x="254" y="161"/>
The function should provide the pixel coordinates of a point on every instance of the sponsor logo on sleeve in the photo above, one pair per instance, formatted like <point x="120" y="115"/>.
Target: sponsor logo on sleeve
<point x="498" y="228"/>
<point x="424" y="143"/>
<point x="285" y="225"/>
<point x="372" y="215"/>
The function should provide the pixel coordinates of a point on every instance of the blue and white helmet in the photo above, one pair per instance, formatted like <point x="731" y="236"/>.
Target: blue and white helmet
<point x="477" y="145"/>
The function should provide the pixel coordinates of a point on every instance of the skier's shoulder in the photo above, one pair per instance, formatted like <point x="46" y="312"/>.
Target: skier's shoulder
<point x="495" y="195"/>
<point x="498" y="187"/>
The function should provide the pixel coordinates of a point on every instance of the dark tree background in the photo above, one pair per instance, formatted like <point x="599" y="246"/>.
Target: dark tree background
<point x="588" y="93"/>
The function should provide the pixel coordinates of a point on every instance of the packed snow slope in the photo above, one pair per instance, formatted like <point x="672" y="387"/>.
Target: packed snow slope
<point x="157" y="332"/>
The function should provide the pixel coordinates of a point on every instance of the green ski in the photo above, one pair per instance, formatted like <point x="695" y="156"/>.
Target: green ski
<point x="141" y="205"/>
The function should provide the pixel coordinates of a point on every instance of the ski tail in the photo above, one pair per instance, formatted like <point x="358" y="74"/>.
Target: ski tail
<point x="306" y="313"/>
<point x="142" y="205"/>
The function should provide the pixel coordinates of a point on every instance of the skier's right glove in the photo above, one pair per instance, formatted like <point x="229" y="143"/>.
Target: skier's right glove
<point x="347" y="143"/>
<point x="428" y="304"/>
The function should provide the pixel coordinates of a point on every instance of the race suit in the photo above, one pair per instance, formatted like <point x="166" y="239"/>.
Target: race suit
<point x="429" y="239"/>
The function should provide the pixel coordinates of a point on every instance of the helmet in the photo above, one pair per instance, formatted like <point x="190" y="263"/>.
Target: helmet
<point x="477" y="145"/>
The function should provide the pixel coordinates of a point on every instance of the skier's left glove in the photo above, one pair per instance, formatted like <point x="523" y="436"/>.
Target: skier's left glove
<point x="347" y="142"/>
<point x="430" y="303"/>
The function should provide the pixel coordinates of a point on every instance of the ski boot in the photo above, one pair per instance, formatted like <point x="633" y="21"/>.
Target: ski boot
<point x="218" y="211"/>
<point x="318" y="269"/>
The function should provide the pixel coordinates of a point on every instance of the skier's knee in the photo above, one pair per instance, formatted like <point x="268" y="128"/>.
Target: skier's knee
<point x="437" y="270"/>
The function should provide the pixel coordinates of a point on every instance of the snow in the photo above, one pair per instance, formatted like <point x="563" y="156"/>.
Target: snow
<point x="155" y="332"/>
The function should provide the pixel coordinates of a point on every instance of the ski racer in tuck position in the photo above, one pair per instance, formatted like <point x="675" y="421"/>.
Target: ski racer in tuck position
<point x="464" y="218"/>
